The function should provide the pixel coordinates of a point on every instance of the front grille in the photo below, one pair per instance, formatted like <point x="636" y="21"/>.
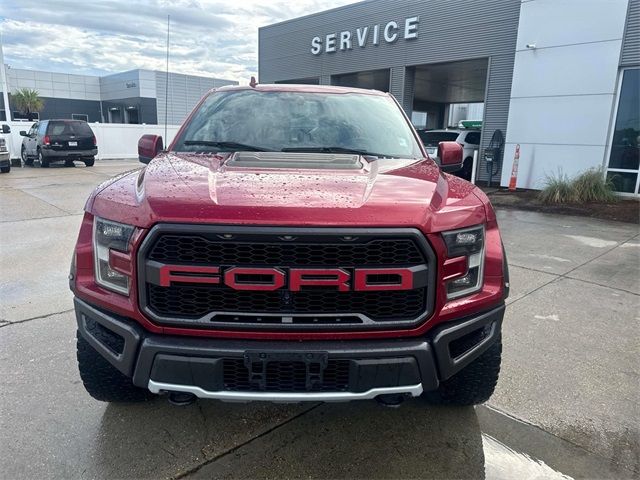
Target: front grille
<point x="216" y="305"/>
<point x="286" y="377"/>
<point x="192" y="249"/>
<point x="195" y="301"/>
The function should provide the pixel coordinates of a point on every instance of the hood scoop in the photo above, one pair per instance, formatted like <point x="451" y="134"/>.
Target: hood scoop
<point x="322" y="161"/>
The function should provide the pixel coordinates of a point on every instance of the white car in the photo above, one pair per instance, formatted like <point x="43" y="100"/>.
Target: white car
<point x="468" y="138"/>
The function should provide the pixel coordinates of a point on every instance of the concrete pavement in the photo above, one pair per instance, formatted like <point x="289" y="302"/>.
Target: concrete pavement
<point x="566" y="403"/>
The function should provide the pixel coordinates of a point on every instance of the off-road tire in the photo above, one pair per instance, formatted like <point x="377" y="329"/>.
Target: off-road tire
<point x="89" y="161"/>
<point x="44" y="163"/>
<point x="472" y="385"/>
<point x="5" y="169"/>
<point x="102" y="380"/>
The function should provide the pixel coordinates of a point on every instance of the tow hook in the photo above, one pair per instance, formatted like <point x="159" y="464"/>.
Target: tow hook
<point x="393" y="400"/>
<point x="181" y="399"/>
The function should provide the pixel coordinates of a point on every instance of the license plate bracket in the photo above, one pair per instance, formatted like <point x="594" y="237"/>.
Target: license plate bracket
<point x="257" y="361"/>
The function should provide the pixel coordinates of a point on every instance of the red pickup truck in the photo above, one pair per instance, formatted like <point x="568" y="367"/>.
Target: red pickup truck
<point x="293" y="243"/>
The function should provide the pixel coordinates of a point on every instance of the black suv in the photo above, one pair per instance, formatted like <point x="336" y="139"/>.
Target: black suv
<point x="59" y="140"/>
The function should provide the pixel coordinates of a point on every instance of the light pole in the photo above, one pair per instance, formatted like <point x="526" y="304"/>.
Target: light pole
<point x="4" y="85"/>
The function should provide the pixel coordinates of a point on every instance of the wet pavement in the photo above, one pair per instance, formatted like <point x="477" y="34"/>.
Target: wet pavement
<point x="566" y="403"/>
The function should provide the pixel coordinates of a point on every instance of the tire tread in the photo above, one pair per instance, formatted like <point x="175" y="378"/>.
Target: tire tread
<point x="472" y="385"/>
<point x="102" y="380"/>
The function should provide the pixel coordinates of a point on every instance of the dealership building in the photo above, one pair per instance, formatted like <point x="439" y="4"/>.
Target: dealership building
<point x="135" y="96"/>
<point x="561" y="79"/>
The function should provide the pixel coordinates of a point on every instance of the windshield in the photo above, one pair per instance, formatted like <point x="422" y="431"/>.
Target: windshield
<point x="432" y="139"/>
<point x="299" y="121"/>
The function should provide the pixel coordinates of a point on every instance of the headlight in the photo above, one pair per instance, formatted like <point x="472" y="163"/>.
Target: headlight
<point x="110" y="236"/>
<point x="469" y="243"/>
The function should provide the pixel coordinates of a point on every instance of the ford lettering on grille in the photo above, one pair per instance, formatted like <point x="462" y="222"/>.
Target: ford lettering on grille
<point x="293" y="279"/>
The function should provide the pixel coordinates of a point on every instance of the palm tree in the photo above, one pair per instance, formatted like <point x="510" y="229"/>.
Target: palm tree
<point x="28" y="101"/>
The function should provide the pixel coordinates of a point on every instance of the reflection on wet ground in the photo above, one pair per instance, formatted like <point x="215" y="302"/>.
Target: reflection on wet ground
<point x="502" y="462"/>
<point x="365" y="440"/>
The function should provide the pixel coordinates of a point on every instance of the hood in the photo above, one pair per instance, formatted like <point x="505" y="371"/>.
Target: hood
<point x="221" y="190"/>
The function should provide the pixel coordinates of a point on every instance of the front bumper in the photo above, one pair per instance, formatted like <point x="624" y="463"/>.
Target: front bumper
<point x="197" y="365"/>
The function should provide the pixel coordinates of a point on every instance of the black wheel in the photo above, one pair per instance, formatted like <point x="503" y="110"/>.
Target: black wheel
<point x="5" y="169"/>
<point x="102" y="380"/>
<point x="25" y="158"/>
<point x="44" y="163"/>
<point x="89" y="161"/>
<point x="473" y="384"/>
<point x="465" y="171"/>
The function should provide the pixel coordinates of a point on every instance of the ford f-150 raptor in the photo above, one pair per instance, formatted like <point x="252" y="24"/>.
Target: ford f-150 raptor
<point x="292" y="243"/>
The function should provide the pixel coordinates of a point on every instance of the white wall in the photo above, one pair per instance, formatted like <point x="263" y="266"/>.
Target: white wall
<point x="114" y="140"/>
<point x="563" y="91"/>
<point x="121" y="141"/>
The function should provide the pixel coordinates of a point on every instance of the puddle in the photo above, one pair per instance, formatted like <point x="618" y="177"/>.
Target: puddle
<point x="517" y="450"/>
<point x="502" y="462"/>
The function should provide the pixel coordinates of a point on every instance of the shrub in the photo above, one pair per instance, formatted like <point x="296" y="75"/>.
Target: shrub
<point x="592" y="186"/>
<point x="557" y="189"/>
<point x="589" y="186"/>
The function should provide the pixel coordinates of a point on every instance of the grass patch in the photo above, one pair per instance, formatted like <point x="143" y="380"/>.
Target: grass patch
<point x="588" y="187"/>
<point x="592" y="186"/>
<point x="557" y="189"/>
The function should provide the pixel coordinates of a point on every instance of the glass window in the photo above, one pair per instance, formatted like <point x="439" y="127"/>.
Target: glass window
<point x="300" y="121"/>
<point x="80" y="116"/>
<point x="473" y="137"/>
<point x="432" y="139"/>
<point x="623" y="181"/>
<point x="625" y="152"/>
<point x="69" y="127"/>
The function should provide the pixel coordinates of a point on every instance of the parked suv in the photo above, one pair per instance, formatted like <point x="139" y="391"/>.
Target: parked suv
<point x="293" y="243"/>
<point x="59" y="141"/>
<point x="469" y="139"/>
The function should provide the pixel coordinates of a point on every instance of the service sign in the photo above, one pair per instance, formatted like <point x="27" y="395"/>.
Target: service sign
<point x="363" y="36"/>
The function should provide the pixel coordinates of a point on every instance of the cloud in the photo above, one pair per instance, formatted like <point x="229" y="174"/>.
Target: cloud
<point x="208" y="37"/>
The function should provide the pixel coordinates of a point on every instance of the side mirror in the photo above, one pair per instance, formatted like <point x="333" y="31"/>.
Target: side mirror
<point x="148" y="147"/>
<point x="6" y="128"/>
<point x="450" y="153"/>
<point x="23" y="133"/>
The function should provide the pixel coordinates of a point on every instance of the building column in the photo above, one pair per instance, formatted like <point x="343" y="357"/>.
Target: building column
<point x="401" y="86"/>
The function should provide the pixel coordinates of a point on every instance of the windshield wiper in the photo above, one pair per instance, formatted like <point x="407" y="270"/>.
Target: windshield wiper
<point x="227" y="145"/>
<point x="335" y="150"/>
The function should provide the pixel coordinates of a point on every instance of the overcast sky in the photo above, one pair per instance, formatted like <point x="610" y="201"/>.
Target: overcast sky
<point x="208" y="37"/>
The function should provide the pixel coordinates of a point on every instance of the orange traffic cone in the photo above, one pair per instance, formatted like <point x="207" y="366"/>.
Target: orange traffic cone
<point x="514" y="170"/>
